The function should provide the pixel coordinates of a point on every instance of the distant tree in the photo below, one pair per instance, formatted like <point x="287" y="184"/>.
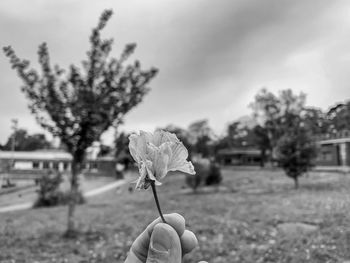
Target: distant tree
<point x="266" y="109"/>
<point x="339" y="117"/>
<point x="79" y="105"/>
<point x="201" y="137"/>
<point x="316" y="121"/>
<point x="296" y="149"/>
<point x="105" y="150"/>
<point x="200" y="128"/>
<point x="233" y="133"/>
<point x="26" y="142"/>
<point x="269" y="111"/>
<point x="262" y="140"/>
<point x="237" y="135"/>
<point x="121" y="146"/>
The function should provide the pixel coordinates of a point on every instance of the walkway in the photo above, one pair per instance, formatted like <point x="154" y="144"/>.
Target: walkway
<point x="87" y="194"/>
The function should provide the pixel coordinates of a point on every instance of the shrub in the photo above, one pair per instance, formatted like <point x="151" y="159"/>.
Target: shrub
<point x="202" y="170"/>
<point x="50" y="194"/>
<point x="193" y="181"/>
<point x="214" y="176"/>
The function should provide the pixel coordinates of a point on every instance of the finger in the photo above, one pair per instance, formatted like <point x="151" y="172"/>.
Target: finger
<point x="188" y="242"/>
<point x="176" y="220"/>
<point x="164" y="246"/>
<point x="140" y="246"/>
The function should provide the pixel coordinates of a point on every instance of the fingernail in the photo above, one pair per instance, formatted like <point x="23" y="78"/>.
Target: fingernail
<point x="161" y="238"/>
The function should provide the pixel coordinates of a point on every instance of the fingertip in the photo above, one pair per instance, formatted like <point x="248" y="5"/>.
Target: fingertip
<point x="162" y="237"/>
<point x="188" y="241"/>
<point x="177" y="221"/>
<point x="141" y="244"/>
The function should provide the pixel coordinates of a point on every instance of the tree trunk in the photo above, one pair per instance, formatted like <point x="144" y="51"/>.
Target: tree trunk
<point x="262" y="157"/>
<point x="296" y="182"/>
<point x="71" y="231"/>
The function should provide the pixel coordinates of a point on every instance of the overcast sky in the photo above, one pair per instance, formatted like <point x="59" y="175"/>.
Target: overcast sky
<point x="213" y="56"/>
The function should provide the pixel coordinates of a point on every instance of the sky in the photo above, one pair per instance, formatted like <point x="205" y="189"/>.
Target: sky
<point x="212" y="56"/>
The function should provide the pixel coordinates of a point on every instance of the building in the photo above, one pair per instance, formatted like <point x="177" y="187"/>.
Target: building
<point x="334" y="150"/>
<point x="20" y="164"/>
<point x="239" y="156"/>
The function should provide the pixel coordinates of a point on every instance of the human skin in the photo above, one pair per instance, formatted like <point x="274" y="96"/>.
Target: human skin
<point x="163" y="243"/>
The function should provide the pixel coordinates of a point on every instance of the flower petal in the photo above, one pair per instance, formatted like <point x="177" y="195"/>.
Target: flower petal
<point x="137" y="147"/>
<point x="159" y="161"/>
<point x="160" y="137"/>
<point x="178" y="154"/>
<point x="156" y="154"/>
<point x="148" y="137"/>
<point x="151" y="173"/>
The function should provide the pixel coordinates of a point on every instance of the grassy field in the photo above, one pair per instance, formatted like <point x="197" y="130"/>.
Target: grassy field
<point x="30" y="194"/>
<point x="242" y="221"/>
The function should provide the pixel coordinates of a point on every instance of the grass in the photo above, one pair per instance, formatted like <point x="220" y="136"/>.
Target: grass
<point x="29" y="194"/>
<point x="236" y="223"/>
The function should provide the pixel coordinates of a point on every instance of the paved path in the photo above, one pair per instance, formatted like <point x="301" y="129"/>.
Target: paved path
<point x="87" y="194"/>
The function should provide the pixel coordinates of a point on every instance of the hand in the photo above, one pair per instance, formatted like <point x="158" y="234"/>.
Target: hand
<point x="163" y="243"/>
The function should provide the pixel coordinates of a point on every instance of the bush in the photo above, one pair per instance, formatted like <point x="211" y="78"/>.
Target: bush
<point x="50" y="194"/>
<point x="214" y="177"/>
<point x="193" y="181"/>
<point x="202" y="171"/>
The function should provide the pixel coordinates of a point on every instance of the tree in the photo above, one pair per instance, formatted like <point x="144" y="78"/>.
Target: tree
<point x="237" y="135"/>
<point x="339" y="117"/>
<point x="316" y="121"/>
<point x="262" y="140"/>
<point x="200" y="137"/>
<point x="26" y="142"/>
<point x="266" y="110"/>
<point x="122" y="153"/>
<point x="296" y="150"/>
<point x="79" y="105"/>
<point x="233" y="133"/>
<point x="105" y="150"/>
<point x="269" y="111"/>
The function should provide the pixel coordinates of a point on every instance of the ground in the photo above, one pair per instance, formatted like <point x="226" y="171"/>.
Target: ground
<point x="26" y="191"/>
<point x="255" y="216"/>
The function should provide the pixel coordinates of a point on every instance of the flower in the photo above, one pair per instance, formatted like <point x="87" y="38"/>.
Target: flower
<point x="156" y="155"/>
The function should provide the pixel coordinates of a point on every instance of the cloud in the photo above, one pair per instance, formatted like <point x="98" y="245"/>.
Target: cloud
<point x="213" y="56"/>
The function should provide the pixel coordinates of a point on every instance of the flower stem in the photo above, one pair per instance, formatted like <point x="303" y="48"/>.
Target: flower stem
<point x="157" y="202"/>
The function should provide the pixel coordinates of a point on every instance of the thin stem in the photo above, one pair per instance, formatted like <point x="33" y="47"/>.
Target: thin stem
<point x="153" y="186"/>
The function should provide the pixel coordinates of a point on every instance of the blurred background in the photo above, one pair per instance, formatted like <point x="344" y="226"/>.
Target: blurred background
<point x="257" y="91"/>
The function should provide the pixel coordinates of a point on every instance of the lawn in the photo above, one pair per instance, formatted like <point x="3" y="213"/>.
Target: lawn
<point x="29" y="194"/>
<point x="250" y="218"/>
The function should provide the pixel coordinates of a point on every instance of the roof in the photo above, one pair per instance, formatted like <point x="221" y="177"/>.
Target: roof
<point x="43" y="155"/>
<point x="234" y="151"/>
<point x="334" y="141"/>
<point x="333" y="138"/>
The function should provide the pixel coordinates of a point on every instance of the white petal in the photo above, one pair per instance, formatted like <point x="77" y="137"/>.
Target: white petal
<point x="178" y="154"/>
<point x="159" y="162"/>
<point x="147" y="136"/>
<point x="161" y="137"/>
<point x="137" y="147"/>
<point x="186" y="167"/>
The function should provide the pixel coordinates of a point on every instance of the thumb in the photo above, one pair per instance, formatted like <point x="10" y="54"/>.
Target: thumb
<point x="165" y="246"/>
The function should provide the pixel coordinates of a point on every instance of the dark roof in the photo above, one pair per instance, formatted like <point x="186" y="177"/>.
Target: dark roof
<point x="236" y="151"/>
